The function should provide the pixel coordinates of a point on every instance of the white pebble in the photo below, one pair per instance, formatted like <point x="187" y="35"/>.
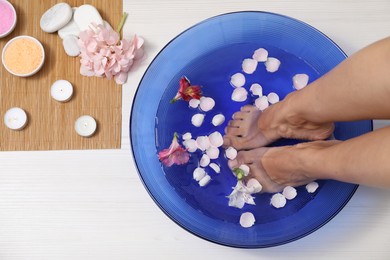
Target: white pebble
<point x="272" y="64"/>
<point x="254" y="185"/>
<point x="215" y="167"/>
<point x="249" y="66"/>
<point x="190" y="145"/>
<point x="247" y="219"/>
<point x="273" y="98"/>
<point x="245" y="169"/>
<point x="213" y="152"/>
<point x="187" y="136"/>
<point x="70" y="28"/>
<point x="198" y="174"/>
<point x="278" y="200"/>
<point x="194" y="103"/>
<point x="260" y="55"/>
<point x="207" y="103"/>
<point x="216" y="139"/>
<point x="300" y="81"/>
<point x="231" y="153"/>
<point x="197" y="119"/>
<point x="204" y="181"/>
<point x="218" y="119"/>
<point x="237" y="80"/>
<point x="289" y="192"/>
<point x="312" y="187"/>
<point x="85" y="15"/>
<point x="262" y="103"/>
<point x="56" y="17"/>
<point x="256" y="89"/>
<point x="239" y="94"/>
<point x="203" y="142"/>
<point x="71" y="46"/>
<point x="204" y="161"/>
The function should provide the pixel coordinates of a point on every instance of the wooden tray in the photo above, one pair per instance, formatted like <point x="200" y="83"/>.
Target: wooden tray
<point x="51" y="124"/>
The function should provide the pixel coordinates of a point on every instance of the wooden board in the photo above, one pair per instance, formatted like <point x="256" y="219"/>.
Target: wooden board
<point x="51" y="124"/>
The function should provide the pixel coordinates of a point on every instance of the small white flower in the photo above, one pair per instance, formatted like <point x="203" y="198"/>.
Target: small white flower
<point x="256" y="89"/>
<point x="272" y="64"/>
<point x="218" y="120"/>
<point x="237" y="80"/>
<point x="249" y="66"/>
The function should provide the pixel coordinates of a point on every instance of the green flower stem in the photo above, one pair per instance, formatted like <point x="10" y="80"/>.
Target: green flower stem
<point x="122" y="22"/>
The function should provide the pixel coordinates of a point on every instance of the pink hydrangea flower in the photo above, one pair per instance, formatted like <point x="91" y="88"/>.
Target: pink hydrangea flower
<point x="104" y="54"/>
<point x="175" y="154"/>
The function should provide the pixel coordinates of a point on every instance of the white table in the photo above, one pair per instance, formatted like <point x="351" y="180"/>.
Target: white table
<point x="92" y="204"/>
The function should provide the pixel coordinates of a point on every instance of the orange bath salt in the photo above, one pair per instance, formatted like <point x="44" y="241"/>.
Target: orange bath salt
<point x="23" y="56"/>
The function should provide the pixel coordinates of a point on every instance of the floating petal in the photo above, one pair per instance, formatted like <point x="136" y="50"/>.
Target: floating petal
<point x="237" y="80"/>
<point x="247" y="219"/>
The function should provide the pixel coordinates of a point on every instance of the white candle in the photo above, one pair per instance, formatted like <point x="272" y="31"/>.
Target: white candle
<point x="85" y="126"/>
<point x="15" y="118"/>
<point x="61" y="90"/>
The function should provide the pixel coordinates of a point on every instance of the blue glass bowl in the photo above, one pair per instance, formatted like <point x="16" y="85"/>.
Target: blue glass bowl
<point x="208" y="54"/>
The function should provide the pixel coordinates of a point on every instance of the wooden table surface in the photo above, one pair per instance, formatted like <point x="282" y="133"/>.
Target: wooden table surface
<point x="92" y="205"/>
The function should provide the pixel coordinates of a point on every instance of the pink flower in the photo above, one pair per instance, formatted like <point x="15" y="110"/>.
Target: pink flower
<point x="175" y="154"/>
<point x="187" y="91"/>
<point x="104" y="54"/>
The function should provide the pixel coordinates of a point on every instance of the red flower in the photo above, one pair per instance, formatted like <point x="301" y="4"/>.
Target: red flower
<point x="175" y="154"/>
<point x="186" y="91"/>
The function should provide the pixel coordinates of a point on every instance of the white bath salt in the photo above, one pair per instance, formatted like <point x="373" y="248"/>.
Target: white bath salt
<point x="204" y="181"/>
<point x="237" y="80"/>
<point x="204" y="161"/>
<point x="256" y="89"/>
<point x="254" y="186"/>
<point x="239" y="94"/>
<point x="198" y="173"/>
<point x="260" y="55"/>
<point x="197" y="119"/>
<point x="187" y="136"/>
<point x="216" y="139"/>
<point x="273" y="98"/>
<point x="194" y="103"/>
<point x="213" y="152"/>
<point x="215" y="167"/>
<point x="206" y="104"/>
<point x="300" y="81"/>
<point x="190" y="145"/>
<point x="312" y="187"/>
<point x="278" y="200"/>
<point x="272" y="64"/>
<point x="289" y="192"/>
<point x="203" y="142"/>
<point x="218" y="119"/>
<point x="231" y="153"/>
<point x="245" y="169"/>
<point x="249" y="66"/>
<point x="262" y="103"/>
<point x="247" y="219"/>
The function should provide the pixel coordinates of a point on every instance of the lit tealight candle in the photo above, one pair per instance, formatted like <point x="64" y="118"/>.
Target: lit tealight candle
<point x="15" y="118"/>
<point x="61" y="90"/>
<point x="85" y="126"/>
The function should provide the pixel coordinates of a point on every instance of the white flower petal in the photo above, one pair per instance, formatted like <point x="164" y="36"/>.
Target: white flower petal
<point x="213" y="152"/>
<point x="187" y="136"/>
<point x="190" y="145"/>
<point x="237" y="80"/>
<point x="260" y="55"/>
<point x="245" y="169"/>
<point x="249" y="66"/>
<point x="215" y="167"/>
<point x="278" y="200"/>
<point x="289" y="192"/>
<point x="272" y="64"/>
<point x="312" y="187"/>
<point x="198" y="174"/>
<point x="207" y="103"/>
<point x="231" y="153"/>
<point x="216" y="139"/>
<point x="254" y="186"/>
<point x="197" y="119"/>
<point x="239" y="94"/>
<point x="204" y="161"/>
<point x="203" y="142"/>
<point x="262" y="103"/>
<point x="218" y="120"/>
<point x="247" y="219"/>
<point x="256" y="89"/>
<point x="204" y="181"/>
<point x="194" y="103"/>
<point x="273" y="98"/>
<point x="300" y="81"/>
